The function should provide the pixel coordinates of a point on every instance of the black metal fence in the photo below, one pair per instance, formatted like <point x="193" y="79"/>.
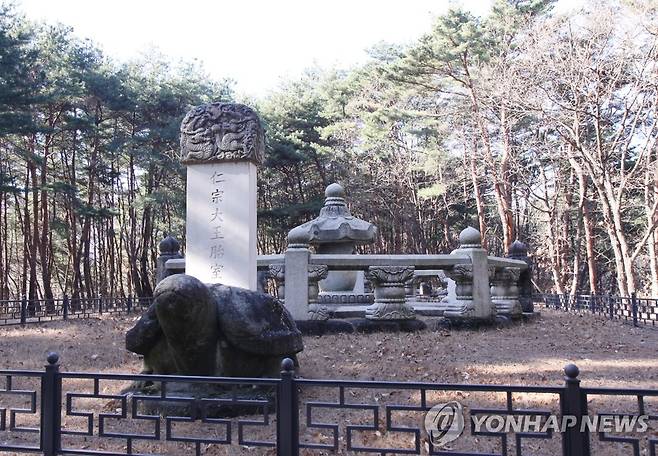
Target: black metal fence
<point x="53" y="413"/>
<point x="639" y="311"/>
<point x="22" y="311"/>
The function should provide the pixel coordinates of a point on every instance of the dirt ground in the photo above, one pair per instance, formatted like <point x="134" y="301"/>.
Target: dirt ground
<point x="608" y="353"/>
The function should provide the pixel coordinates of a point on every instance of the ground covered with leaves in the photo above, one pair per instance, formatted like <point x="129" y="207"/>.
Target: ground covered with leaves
<point x="608" y="353"/>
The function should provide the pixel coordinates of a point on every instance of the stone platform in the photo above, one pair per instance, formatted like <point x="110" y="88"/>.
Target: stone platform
<point x="422" y="308"/>
<point x="365" y="326"/>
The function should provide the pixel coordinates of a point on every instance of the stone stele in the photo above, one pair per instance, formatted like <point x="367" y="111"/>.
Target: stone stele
<point x="221" y="145"/>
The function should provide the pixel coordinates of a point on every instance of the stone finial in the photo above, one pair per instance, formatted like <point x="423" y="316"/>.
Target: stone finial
<point x="571" y="371"/>
<point x="221" y="132"/>
<point x="298" y="238"/>
<point x="335" y="191"/>
<point x="470" y="238"/>
<point x="518" y="250"/>
<point x="336" y="224"/>
<point x="169" y="245"/>
<point x="52" y="358"/>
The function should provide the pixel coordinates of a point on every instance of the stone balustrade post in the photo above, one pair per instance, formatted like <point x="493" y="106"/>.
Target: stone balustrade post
<point x="519" y="251"/>
<point x="505" y="292"/>
<point x="296" y="260"/>
<point x="473" y="295"/>
<point x="390" y="300"/>
<point x="169" y="249"/>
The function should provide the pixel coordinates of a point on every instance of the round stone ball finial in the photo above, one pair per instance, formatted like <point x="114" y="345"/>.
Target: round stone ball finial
<point x="518" y="249"/>
<point x="298" y="237"/>
<point x="52" y="358"/>
<point x="470" y="238"/>
<point x="287" y="365"/>
<point x="334" y="191"/>
<point x="571" y="371"/>
<point x="169" y="245"/>
<point x="335" y="200"/>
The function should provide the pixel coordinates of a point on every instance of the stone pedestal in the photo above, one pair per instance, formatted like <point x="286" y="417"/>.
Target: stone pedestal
<point x="505" y="292"/>
<point x="221" y="144"/>
<point x="390" y="300"/>
<point x="316" y="310"/>
<point x="221" y="223"/>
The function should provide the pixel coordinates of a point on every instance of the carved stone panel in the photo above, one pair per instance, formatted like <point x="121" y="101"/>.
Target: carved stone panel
<point x="278" y="273"/>
<point x="219" y="132"/>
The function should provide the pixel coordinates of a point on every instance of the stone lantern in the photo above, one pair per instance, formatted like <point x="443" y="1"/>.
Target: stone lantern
<point x="337" y="231"/>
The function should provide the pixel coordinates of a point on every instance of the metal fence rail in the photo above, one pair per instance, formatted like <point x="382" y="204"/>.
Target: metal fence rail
<point x="639" y="311"/>
<point x="53" y="413"/>
<point x="22" y="311"/>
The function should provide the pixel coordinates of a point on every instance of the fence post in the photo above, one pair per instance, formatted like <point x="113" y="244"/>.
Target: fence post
<point x="129" y="304"/>
<point x="100" y="305"/>
<point x="611" y="305"/>
<point x="51" y="399"/>
<point x="65" y="307"/>
<point x="23" y="310"/>
<point x="634" y="308"/>
<point x="287" y="412"/>
<point x="575" y="441"/>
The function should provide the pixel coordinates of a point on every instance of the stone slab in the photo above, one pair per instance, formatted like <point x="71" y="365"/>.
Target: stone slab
<point x="221" y="223"/>
<point x="322" y="327"/>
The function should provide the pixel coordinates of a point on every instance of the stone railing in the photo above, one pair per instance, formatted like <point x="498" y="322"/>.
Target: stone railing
<point x="298" y="272"/>
<point x="485" y="286"/>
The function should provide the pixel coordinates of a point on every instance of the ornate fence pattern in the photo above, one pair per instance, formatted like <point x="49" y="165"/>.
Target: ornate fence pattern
<point x="639" y="311"/>
<point x="22" y="311"/>
<point x="52" y="413"/>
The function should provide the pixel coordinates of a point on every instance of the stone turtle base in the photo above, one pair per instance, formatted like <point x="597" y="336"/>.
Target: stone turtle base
<point x="366" y="326"/>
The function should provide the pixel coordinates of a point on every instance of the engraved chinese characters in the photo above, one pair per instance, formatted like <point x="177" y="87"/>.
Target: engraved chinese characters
<point x="220" y="144"/>
<point x="217" y="240"/>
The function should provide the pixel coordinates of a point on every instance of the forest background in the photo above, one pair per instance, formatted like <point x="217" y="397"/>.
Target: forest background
<point x="525" y="123"/>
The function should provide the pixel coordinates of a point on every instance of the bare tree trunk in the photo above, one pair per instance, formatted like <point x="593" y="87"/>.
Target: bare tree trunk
<point x="650" y="198"/>
<point x="588" y="229"/>
<point x="477" y="193"/>
<point x="44" y="244"/>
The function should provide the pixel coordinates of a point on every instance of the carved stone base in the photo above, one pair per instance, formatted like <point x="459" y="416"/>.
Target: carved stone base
<point x="390" y="301"/>
<point x="508" y="307"/>
<point x="390" y="311"/>
<point x="459" y="309"/>
<point x="318" y="312"/>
